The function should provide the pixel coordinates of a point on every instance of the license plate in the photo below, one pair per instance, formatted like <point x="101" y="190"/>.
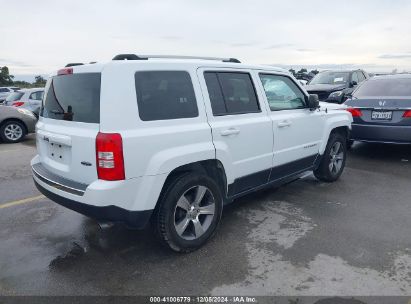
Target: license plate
<point x="381" y="115"/>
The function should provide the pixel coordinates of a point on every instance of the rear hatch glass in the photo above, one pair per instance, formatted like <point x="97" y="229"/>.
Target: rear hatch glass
<point x="13" y="97"/>
<point x="68" y="126"/>
<point x="73" y="97"/>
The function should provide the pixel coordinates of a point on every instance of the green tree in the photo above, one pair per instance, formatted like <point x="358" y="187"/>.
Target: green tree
<point x="5" y="77"/>
<point x="302" y="71"/>
<point x="39" y="81"/>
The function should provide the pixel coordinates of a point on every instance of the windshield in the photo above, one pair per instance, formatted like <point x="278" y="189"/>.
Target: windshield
<point x="14" y="96"/>
<point x="384" y="88"/>
<point x="329" y="77"/>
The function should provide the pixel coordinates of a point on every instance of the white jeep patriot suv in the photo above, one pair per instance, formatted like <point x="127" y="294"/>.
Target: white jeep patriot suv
<point x="172" y="140"/>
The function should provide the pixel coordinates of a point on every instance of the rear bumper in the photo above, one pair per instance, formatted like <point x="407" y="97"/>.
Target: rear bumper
<point x="381" y="133"/>
<point x="73" y="195"/>
<point x="133" y="219"/>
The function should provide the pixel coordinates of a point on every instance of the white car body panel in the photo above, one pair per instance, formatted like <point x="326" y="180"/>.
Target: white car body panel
<point x="254" y="129"/>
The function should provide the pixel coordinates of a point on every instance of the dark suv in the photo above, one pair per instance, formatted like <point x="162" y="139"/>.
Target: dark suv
<point x="335" y="86"/>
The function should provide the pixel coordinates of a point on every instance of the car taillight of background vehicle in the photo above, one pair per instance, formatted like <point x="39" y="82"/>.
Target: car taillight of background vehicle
<point x="17" y="104"/>
<point x="407" y="114"/>
<point x="109" y="156"/>
<point x="354" y="112"/>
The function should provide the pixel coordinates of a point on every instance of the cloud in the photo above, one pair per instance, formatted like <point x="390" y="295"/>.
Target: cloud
<point x="395" y="56"/>
<point x="279" y="46"/>
<point x="333" y="66"/>
<point x="243" y="44"/>
<point x="10" y="62"/>
<point x="172" y="37"/>
<point x="305" y="50"/>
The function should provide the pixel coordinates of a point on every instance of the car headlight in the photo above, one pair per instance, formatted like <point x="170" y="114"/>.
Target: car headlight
<point x="336" y="94"/>
<point x="25" y="112"/>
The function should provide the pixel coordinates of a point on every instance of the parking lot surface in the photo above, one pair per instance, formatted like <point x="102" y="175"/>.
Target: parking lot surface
<point x="351" y="237"/>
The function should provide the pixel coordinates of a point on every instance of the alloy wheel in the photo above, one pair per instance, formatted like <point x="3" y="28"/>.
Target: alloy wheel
<point x="13" y="132"/>
<point x="194" y="212"/>
<point x="336" y="158"/>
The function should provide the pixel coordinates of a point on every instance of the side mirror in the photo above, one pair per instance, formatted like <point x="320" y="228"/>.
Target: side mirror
<point x="353" y="83"/>
<point x="313" y="102"/>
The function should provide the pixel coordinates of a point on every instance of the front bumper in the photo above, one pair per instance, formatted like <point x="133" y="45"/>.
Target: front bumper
<point x="64" y="192"/>
<point x="381" y="133"/>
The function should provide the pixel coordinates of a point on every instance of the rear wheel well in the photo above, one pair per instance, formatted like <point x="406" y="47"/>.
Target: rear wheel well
<point x="212" y="168"/>
<point x="16" y="120"/>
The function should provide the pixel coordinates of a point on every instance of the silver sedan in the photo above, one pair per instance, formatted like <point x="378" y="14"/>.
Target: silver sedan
<point x="15" y="123"/>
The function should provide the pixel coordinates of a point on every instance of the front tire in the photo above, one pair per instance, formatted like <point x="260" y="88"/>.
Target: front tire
<point x="12" y="131"/>
<point x="189" y="212"/>
<point x="333" y="161"/>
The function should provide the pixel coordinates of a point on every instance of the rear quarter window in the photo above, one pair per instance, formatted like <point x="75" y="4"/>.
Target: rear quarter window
<point x="163" y="95"/>
<point x="73" y="97"/>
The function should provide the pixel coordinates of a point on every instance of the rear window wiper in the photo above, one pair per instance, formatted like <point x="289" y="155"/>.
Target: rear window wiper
<point x="57" y="112"/>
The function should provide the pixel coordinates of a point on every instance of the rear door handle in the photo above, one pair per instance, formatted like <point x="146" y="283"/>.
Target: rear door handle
<point x="231" y="131"/>
<point x="285" y="123"/>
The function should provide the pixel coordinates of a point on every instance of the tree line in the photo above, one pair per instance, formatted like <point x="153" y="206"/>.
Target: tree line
<point x="6" y="79"/>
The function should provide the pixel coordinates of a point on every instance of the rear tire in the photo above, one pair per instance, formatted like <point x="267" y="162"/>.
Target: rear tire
<point x="12" y="131"/>
<point x="333" y="161"/>
<point x="189" y="212"/>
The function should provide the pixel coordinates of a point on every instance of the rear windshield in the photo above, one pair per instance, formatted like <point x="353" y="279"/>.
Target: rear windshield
<point x="14" y="96"/>
<point x="73" y="97"/>
<point x="384" y="87"/>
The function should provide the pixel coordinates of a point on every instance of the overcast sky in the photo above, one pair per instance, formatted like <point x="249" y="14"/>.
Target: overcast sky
<point x="37" y="37"/>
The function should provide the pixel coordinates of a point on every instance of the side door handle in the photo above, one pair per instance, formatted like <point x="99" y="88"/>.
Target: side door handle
<point x="231" y="131"/>
<point x="284" y="123"/>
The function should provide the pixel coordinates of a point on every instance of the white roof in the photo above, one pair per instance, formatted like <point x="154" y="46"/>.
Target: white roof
<point x="182" y="63"/>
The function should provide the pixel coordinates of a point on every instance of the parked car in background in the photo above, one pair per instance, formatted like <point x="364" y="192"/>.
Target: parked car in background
<point x="381" y="109"/>
<point x="29" y="99"/>
<point x="191" y="135"/>
<point x="15" y="123"/>
<point x="335" y="86"/>
<point x="6" y="91"/>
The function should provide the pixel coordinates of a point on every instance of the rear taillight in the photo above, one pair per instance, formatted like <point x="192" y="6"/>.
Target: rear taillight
<point x="407" y="114"/>
<point x="109" y="154"/>
<point x="17" y="103"/>
<point x="354" y="112"/>
<point x="65" y="71"/>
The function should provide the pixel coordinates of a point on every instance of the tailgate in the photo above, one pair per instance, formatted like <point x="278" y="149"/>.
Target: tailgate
<point x="68" y="126"/>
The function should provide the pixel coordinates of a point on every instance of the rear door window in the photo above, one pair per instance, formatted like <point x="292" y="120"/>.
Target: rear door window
<point x="165" y="95"/>
<point x="37" y="95"/>
<point x="231" y="93"/>
<point x="73" y="97"/>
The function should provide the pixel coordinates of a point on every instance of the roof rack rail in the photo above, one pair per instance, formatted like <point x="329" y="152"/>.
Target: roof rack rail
<point x="73" y="64"/>
<point x="146" y="57"/>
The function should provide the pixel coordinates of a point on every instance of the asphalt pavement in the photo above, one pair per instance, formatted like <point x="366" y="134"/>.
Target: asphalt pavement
<point x="349" y="238"/>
